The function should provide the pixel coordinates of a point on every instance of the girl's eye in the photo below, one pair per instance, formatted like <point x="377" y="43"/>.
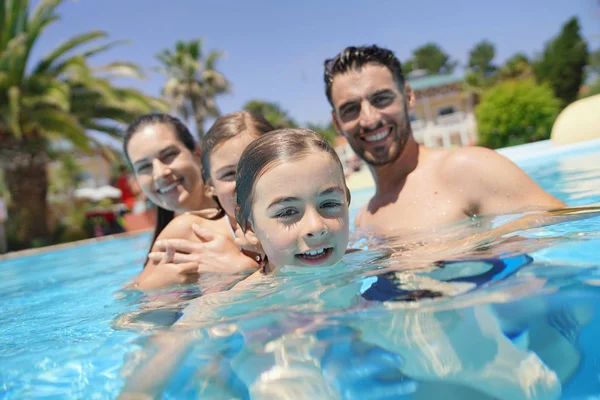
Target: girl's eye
<point x="229" y="176"/>
<point x="143" y="168"/>
<point x="286" y="214"/>
<point x="331" y="204"/>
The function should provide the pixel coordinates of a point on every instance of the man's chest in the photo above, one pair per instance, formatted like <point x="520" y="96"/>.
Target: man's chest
<point x="426" y="209"/>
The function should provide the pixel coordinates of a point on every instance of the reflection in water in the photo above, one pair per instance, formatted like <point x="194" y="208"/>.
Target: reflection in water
<point x="423" y="320"/>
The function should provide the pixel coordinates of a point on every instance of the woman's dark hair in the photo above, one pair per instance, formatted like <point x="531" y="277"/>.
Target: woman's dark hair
<point x="183" y="135"/>
<point x="269" y="150"/>
<point x="354" y="58"/>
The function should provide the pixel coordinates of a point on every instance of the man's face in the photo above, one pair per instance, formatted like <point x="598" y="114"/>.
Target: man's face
<point x="371" y="111"/>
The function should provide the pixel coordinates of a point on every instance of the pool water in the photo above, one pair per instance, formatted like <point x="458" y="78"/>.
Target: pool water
<point x="68" y="330"/>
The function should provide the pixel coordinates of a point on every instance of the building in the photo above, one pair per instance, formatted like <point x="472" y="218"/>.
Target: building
<point x="443" y="113"/>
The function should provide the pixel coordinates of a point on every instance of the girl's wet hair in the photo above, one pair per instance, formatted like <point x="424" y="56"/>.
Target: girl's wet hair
<point x="268" y="151"/>
<point x="182" y="133"/>
<point x="227" y="127"/>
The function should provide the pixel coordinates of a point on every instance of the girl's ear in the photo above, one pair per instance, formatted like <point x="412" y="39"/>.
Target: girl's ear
<point x="209" y="189"/>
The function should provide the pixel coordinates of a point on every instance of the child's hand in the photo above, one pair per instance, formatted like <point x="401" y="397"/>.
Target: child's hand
<point x="248" y="241"/>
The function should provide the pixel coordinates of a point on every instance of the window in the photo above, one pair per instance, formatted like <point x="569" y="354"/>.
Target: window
<point x="446" y="110"/>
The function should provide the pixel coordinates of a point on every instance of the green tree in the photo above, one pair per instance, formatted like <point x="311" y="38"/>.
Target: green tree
<point x="408" y="66"/>
<point x="516" y="112"/>
<point x="594" y="63"/>
<point x="481" y="57"/>
<point x="431" y="58"/>
<point x="593" y="71"/>
<point x="193" y="82"/>
<point x="482" y="73"/>
<point x="327" y="131"/>
<point x="563" y="61"/>
<point x="58" y="98"/>
<point x="516" y="67"/>
<point x="272" y="112"/>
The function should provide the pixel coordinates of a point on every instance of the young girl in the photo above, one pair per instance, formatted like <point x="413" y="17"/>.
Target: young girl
<point x="167" y="165"/>
<point x="292" y="200"/>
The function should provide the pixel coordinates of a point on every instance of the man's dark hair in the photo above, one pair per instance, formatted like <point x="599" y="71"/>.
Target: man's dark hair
<point x="355" y="58"/>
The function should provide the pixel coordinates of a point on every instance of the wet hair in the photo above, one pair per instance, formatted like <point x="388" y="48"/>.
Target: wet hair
<point x="354" y="58"/>
<point x="182" y="133"/>
<point x="269" y="150"/>
<point x="227" y="127"/>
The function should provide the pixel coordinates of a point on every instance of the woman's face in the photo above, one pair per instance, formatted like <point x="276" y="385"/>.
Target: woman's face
<point x="300" y="212"/>
<point x="224" y="160"/>
<point x="168" y="172"/>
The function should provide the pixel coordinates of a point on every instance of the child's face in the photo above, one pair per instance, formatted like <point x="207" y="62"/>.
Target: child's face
<point x="300" y="212"/>
<point x="223" y="166"/>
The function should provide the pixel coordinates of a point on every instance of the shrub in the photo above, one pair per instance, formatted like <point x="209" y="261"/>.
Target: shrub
<point x="516" y="112"/>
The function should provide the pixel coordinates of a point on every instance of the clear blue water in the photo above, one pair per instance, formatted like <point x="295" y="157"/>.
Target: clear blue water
<point x="67" y="330"/>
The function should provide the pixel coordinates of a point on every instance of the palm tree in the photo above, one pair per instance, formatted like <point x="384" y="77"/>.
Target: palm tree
<point x="57" y="99"/>
<point x="272" y="112"/>
<point x="192" y="82"/>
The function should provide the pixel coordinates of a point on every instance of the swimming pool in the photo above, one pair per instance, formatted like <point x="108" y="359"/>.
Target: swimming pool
<point x="68" y="331"/>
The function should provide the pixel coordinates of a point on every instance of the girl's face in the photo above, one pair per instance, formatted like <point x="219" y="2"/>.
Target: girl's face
<point x="300" y="212"/>
<point x="224" y="160"/>
<point x="168" y="172"/>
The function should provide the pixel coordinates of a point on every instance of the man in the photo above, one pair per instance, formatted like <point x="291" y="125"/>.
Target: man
<point x="416" y="187"/>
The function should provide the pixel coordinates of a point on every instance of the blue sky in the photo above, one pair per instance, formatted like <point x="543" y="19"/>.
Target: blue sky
<point x="275" y="48"/>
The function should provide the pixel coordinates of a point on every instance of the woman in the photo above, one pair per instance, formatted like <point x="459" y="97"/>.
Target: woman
<point x="167" y="165"/>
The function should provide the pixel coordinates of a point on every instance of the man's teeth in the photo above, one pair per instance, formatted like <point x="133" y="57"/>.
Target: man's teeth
<point x="168" y="188"/>
<point x="379" y="136"/>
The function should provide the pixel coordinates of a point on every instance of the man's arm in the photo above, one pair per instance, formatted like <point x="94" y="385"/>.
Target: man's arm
<point x="492" y="184"/>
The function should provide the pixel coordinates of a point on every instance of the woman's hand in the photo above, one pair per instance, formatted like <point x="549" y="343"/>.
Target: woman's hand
<point x="166" y="272"/>
<point x="214" y="253"/>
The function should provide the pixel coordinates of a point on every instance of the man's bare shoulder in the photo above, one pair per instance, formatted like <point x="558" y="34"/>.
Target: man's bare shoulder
<point x="467" y="163"/>
<point x="467" y="157"/>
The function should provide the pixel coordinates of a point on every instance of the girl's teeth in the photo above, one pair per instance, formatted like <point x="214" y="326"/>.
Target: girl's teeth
<point x="313" y="253"/>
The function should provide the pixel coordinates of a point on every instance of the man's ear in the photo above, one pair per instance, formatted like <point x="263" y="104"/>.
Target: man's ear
<point x="336" y="124"/>
<point x="411" y="99"/>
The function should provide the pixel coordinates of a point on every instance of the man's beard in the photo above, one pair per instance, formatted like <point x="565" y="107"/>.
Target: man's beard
<point x="396" y="148"/>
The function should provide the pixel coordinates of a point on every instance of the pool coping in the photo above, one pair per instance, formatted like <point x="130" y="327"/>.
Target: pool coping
<point x="39" y="250"/>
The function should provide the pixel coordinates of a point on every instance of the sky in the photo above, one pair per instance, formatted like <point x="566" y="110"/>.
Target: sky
<point x="274" y="49"/>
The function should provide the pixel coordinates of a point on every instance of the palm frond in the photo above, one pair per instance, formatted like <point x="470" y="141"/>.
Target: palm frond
<point x="122" y="69"/>
<point x="57" y="124"/>
<point x="61" y="50"/>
